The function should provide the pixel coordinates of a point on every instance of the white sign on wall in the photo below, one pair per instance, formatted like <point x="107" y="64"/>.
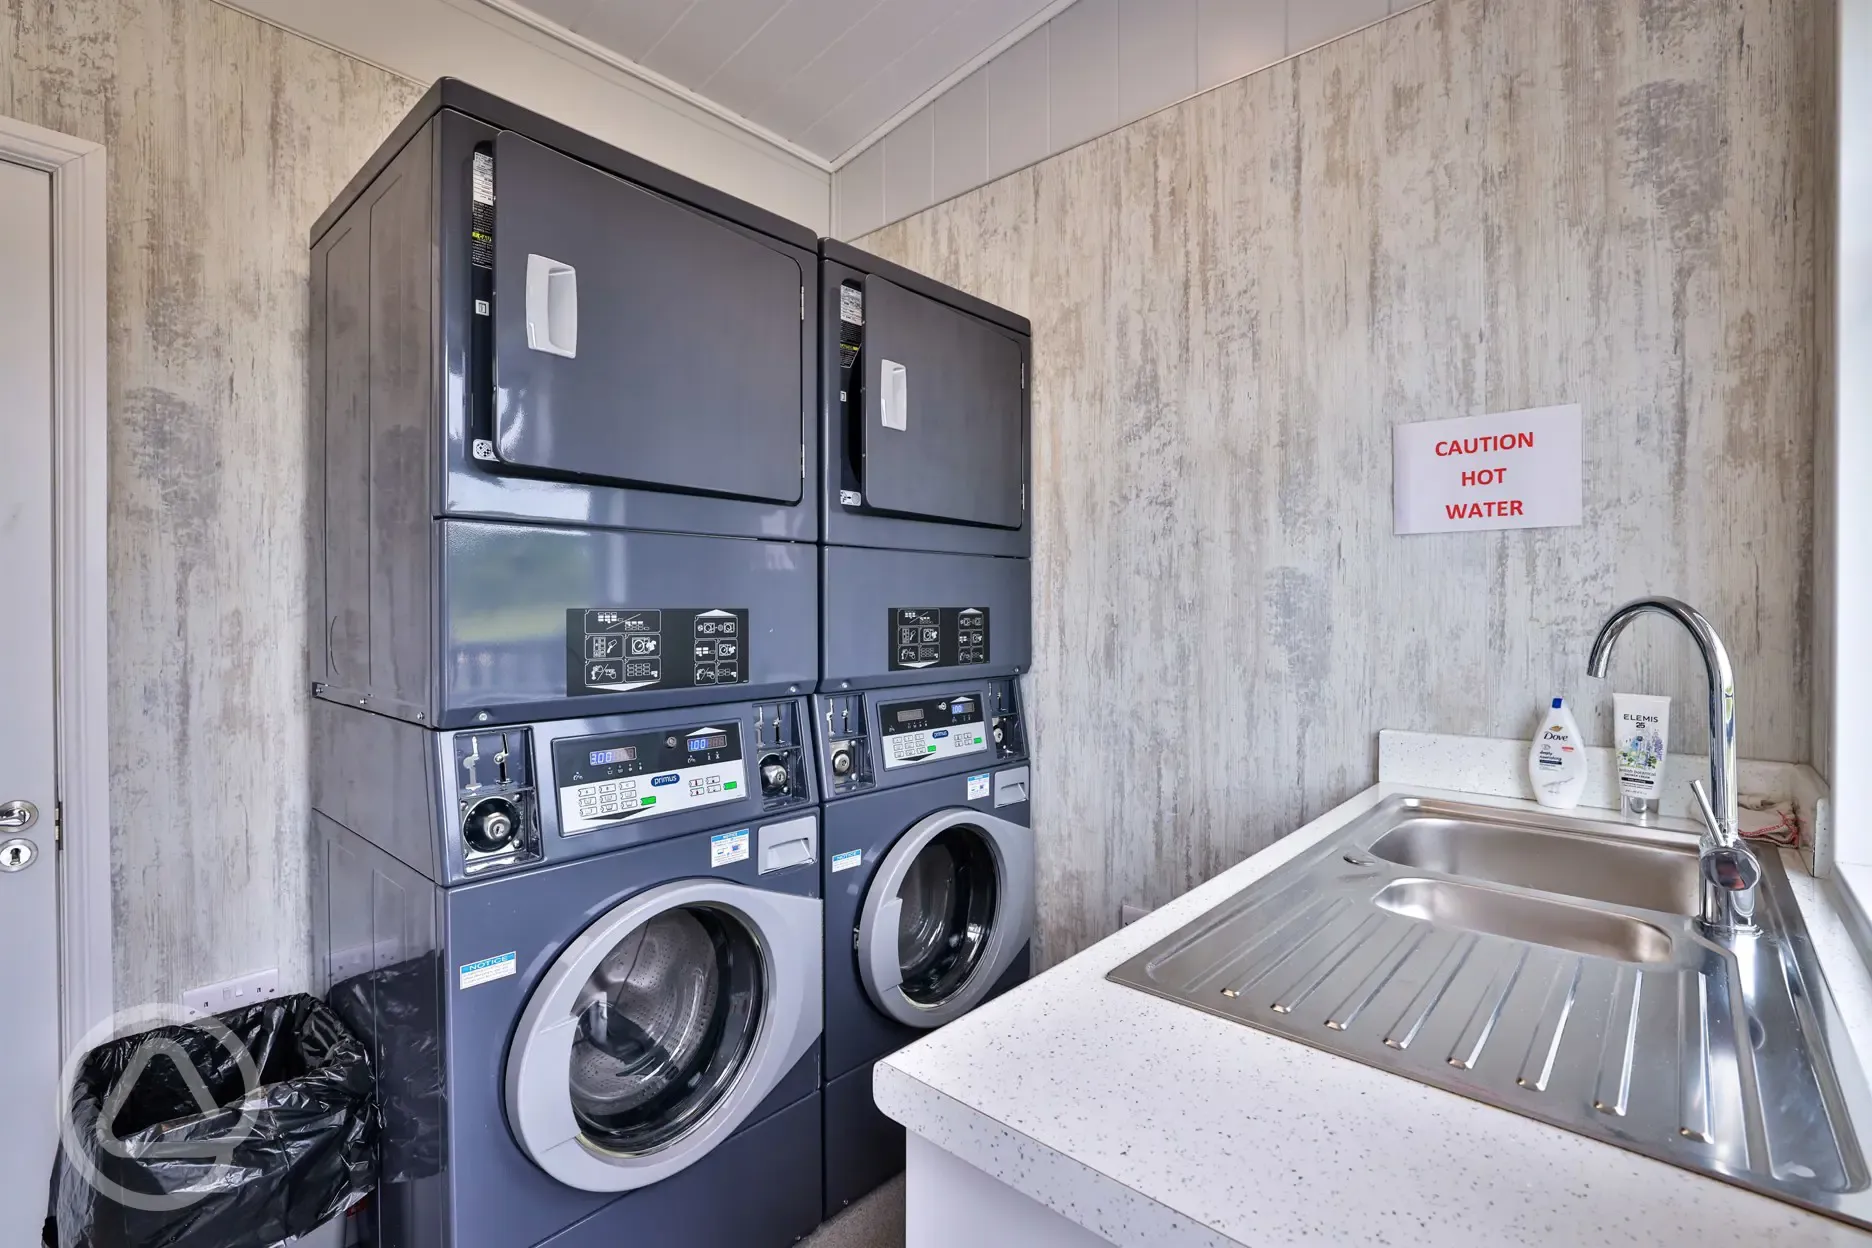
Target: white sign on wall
<point x="1513" y="470"/>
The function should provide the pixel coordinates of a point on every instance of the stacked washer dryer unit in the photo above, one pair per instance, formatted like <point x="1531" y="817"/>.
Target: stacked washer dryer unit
<point x="928" y="852"/>
<point x="565" y="614"/>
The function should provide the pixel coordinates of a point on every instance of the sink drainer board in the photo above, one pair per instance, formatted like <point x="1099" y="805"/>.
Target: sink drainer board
<point x="1551" y="966"/>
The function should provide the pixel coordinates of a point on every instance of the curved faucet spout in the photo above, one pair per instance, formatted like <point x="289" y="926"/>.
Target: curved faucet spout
<point x="1723" y="821"/>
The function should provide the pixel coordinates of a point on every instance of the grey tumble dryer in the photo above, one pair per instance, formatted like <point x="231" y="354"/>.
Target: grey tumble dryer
<point x="924" y="410"/>
<point x="587" y="957"/>
<point x="563" y="416"/>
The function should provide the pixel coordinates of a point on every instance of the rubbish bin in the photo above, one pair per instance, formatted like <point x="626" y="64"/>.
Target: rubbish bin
<point x="240" y="1131"/>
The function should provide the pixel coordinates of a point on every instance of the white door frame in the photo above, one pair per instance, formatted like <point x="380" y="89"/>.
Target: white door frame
<point x="79" y="590"/>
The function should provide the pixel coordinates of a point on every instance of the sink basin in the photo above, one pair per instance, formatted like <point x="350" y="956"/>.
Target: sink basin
<point x="1548" y="965"/>
<point x="1508" y="849"/>
<point x="1557" y="924"/>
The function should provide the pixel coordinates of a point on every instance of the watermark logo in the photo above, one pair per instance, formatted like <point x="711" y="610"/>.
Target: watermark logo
<point x="216" y="1153"/>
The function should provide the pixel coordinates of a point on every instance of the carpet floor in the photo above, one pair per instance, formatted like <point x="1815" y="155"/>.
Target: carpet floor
<point x="877" y="1221"/>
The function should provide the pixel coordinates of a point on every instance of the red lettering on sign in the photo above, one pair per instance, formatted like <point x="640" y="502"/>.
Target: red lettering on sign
<point x="1523" y="441"/>
<point x="1502" y="507"/>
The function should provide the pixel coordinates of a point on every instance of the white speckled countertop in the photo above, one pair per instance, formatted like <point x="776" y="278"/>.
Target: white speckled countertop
<point x="1151" y="1123"/>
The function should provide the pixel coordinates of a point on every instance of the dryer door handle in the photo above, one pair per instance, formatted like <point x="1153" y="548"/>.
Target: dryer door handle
<point x="880" y="949"/>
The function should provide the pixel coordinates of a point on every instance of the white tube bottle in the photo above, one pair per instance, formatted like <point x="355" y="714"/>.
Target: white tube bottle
<point x="1641" y="735"/>
<point x="1556" y="761"/>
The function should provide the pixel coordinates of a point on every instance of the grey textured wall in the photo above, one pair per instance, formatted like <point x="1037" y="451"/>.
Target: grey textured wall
<point x="227" y="138"/>
<point x="1825" y="54"/>
<point x="1474" y="206"/>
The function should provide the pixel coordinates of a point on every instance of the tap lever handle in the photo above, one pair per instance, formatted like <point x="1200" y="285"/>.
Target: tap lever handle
<point x="1708" y="811"/>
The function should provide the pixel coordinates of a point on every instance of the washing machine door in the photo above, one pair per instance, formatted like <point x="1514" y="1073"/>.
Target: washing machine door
<point x="660" y="1029"/>
<point x="950" y="907"/>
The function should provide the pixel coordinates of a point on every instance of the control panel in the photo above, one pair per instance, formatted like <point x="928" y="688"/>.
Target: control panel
<point x="928" y="729"/>
<point x="869" y="736"/>
<point x="496" y="802"/>
<point x="629" y="775"/>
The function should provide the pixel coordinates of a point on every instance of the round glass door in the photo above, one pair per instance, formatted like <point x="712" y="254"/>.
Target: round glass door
<point x="665" y="1024"/>
<point x="948" y="896"/>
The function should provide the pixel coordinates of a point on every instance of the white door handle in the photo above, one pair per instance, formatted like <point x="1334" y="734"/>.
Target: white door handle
<point x="894" y="402"/>
<point x="552" y="306"/>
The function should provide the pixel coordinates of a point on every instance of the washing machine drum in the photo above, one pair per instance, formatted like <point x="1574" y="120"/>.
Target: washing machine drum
<point x="661" y="1028"/>
<point x="950" y="907"/>
<point x="664" y="1023"/>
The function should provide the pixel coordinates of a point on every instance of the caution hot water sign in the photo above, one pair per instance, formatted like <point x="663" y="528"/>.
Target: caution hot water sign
<point x="1513" y="470"/>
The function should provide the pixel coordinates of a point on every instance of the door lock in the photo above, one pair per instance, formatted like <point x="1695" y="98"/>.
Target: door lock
<point x="17" y="854"/>
<point x="17" y="816"/>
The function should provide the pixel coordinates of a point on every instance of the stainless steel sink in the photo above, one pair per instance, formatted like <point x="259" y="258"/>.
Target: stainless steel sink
<point x="1511" y="849"/>
<point x="1552" y="966"/>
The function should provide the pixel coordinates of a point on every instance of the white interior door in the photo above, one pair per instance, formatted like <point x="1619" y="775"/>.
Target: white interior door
<point x="29" y="985"/>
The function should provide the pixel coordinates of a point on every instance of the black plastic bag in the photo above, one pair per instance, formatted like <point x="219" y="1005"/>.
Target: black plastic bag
<point x="270" y="1131"/>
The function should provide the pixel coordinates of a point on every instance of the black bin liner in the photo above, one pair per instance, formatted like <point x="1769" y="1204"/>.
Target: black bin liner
<point x="291" y="1139"/>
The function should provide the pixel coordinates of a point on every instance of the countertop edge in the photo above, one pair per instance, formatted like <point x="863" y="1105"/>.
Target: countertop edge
<point x="1100" y="1203"/>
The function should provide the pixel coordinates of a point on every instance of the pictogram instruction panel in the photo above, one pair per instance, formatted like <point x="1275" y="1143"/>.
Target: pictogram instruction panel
<point x="937" y="637"/>
<point x="619" y="650"/>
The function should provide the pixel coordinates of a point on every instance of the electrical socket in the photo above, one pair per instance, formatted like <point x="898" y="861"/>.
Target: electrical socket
<point x="232" y="994"/>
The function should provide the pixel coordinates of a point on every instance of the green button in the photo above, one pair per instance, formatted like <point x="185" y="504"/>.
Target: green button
<point x="729" y="784"/>
<point x="648" y="801"/>
<point x="931" y="750"/>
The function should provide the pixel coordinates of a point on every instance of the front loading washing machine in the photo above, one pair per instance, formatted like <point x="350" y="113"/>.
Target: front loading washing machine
<point x="587" y="957"/>
<point x="928" y="879"/>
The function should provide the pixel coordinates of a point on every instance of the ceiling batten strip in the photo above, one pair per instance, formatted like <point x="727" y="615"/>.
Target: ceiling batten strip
<point x="643" y="73"/>
<point x="911" y="109"/>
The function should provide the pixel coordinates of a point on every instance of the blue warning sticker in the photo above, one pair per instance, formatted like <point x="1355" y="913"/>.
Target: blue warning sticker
<point x="488" y="970"/>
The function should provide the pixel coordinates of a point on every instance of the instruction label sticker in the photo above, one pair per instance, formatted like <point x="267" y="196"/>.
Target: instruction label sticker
<point x="847" y="860"/>
<point x="936" y="637"/>
<point x="620" y="650"/>
<point x="487" y="970"/>
<point x="727" y="847"/>
<point x="978" y="786"/>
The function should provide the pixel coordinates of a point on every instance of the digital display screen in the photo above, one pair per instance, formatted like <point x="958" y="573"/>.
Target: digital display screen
<point x="622" y="754"/>
<point x="912" y="716"/>
<point x="708" y="741"/>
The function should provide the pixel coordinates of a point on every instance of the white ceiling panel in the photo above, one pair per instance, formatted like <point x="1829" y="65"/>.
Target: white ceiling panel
<point x="706" y="36"/>
<point x="565" y="12"/>
<point x="628" y="27"/>
<point x="821" y="74"/>
<point x="862" y="54"/>
<point x="910" y="68"/>
<point x="752" y="76"/>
